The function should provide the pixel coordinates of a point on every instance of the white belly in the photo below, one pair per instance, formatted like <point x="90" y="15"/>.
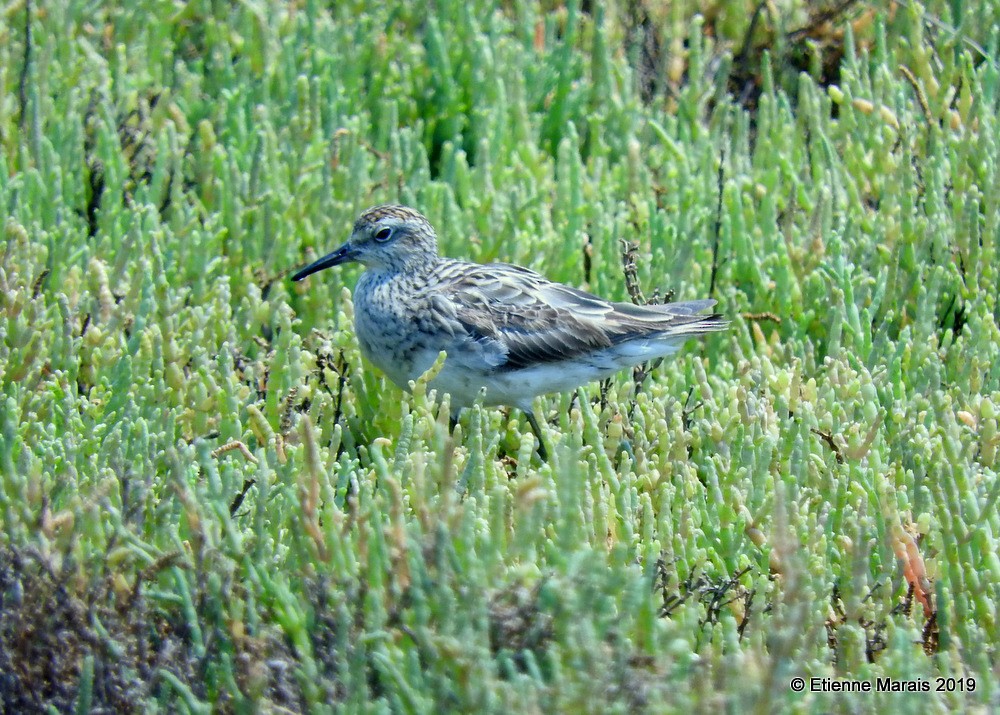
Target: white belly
<point x="517" y="388"/>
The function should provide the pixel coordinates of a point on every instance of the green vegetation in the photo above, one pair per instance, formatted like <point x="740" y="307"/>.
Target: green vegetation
<point x="207" y="500"/>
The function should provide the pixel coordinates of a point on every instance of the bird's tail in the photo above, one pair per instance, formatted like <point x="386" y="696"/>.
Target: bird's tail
<point x="669" y="320"/>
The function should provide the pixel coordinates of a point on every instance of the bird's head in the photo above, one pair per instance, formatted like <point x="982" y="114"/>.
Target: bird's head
<point x="387" y="237"/>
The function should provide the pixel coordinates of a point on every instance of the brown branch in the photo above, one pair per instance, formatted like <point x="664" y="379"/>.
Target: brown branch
<point x="921" y="97"/>
<point x="743" y="57"/>
<point x="718" y="221"/>
<point x="821" y="19"/>
<point x="828" y="438"/>
<point x="762" y="316"/>
<point x="22" y="84"/>
<point x="234" y="445"/>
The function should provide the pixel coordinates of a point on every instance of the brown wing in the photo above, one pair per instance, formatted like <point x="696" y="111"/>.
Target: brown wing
<point x="532" y="320"/>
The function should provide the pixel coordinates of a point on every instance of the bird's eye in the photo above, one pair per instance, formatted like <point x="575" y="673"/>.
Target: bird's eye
<point x="384" y="234"/>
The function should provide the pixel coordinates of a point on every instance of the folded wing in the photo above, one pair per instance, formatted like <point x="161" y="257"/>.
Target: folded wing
<point x="519" y="319"/>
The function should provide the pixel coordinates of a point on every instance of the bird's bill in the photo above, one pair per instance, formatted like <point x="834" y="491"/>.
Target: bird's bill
<point x="344" y="254"/>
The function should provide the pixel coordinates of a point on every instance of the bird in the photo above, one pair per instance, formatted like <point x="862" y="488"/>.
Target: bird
<point x="503" y="327"/>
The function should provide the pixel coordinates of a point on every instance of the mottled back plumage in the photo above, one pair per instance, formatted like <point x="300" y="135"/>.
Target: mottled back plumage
<point x="532" y="320"/>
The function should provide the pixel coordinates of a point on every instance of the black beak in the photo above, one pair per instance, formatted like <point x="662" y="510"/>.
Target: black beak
<point x="344" y="254"/>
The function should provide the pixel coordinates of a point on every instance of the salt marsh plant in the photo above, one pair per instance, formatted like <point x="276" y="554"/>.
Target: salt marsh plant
<point x="209" y="501"/>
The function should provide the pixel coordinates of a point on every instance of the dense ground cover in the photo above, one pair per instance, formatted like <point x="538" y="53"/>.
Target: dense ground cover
<point x="208" y="500"/>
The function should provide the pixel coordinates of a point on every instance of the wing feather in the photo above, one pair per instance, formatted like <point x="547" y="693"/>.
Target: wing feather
<point x="525" y="319"/>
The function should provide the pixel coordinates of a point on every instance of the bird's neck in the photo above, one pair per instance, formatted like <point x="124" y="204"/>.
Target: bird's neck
<point x="409" y="265"/>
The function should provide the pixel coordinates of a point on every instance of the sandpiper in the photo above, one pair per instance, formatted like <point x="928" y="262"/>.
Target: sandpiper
<point x="503" y="327"/>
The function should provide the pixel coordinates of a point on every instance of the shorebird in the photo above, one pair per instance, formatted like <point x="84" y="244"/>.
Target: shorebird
<point x="503" y="327"/>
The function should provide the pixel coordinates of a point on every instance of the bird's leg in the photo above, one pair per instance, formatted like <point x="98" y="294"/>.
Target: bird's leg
<point x="543" y="453"/>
